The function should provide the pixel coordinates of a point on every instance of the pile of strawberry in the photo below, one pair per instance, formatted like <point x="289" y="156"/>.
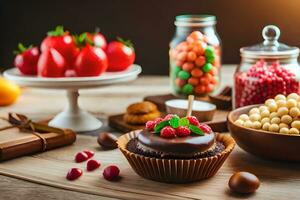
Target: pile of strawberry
<point x="110" y="173"/>
<point x="62" y="54"/>
<point x="172" y="126"/>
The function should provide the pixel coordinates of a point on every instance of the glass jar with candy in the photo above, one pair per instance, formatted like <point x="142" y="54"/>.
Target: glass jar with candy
<point x="195" y="55"/>
<point x="266" y="69"/>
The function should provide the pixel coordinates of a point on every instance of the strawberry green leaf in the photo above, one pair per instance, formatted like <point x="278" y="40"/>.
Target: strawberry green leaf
<point x="174" y="122"/>
<point x="82" y="39"/>
<point x="184" y="122"/>
<point x="21" y="48"/>
<point x="160" y="126"/>
<point x="59" y="31"/>
<point x="127" y="43"/>
<point x="196" y="130"/>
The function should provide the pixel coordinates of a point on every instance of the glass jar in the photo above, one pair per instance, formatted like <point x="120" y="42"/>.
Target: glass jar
<point x="195" y="55"/>
<point x="266" y="69"/>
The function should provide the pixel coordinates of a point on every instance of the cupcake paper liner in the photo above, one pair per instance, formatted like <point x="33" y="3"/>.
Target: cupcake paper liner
<point x="175" y="170"/>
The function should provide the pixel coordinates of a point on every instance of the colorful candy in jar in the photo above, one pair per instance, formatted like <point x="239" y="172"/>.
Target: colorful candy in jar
<point x="194" y="66"/>
<point x="263" y="81"/>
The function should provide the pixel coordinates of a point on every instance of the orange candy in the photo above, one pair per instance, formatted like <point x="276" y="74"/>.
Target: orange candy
<point x="191" y="56"/>
<point x="210" y="88"/>
<point x="179" y="82"/>
<point x="187" y="66"/>
<point x="204" y="81"/>
<point x="193" y="81"/>
<point x="182" y="56"/>
<point x="197" y="72"/>
<point x="200" y="61"/>
<point x="182" y="46"/>
<point x="179" y="63"/>
<point x="196" y="35"/>
<point x="200" y="89"/>
<point x="213" y="80"/>
<point x="198" y="50"/>
<point x="213" y="71"/>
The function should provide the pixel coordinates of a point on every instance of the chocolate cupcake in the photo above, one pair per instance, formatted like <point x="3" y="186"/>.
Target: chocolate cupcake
<point x="176" y="150"/>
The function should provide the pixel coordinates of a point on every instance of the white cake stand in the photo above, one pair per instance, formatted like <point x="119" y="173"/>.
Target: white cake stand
<point x="73" y="116"/>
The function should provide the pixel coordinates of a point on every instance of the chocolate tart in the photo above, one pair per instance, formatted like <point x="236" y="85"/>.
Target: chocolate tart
<point x="178" y="160"/>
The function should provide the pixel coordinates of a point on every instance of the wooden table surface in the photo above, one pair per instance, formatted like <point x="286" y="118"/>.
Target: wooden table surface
<point x="103" y="101"/>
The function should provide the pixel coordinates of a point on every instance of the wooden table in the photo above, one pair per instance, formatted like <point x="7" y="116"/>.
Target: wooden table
<point x="44" y="103"/>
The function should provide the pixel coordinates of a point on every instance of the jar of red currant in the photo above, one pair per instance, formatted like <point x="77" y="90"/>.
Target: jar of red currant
<point x="266" y="69"/>
<point x="195" y="55"/>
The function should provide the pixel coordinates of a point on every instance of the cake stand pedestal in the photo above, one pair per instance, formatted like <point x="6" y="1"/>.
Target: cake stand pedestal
<point x="73" y="117"/>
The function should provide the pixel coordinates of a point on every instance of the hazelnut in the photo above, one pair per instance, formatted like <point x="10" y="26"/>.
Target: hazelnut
<point x="107" y="140"/>
<point x="243" y="182"/>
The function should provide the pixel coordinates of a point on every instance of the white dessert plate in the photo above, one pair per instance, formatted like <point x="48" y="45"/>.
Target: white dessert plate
<point x="73" y="82"/>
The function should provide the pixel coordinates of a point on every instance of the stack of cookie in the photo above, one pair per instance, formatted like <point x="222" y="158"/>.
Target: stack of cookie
<point x="140" y="113"/>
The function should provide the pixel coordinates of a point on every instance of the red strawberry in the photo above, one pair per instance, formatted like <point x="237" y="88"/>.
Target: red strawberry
<point x="89" y="153"/>
<point x="26" y="59"/>
<point x="158" y="120"/>
<point x="120" y="55"/>
<point x="81" y="156"/>
<point x="183" y="131"/>
<point x="63" y="42"/>
<point x="98" y="39"/>
<point x="92" y="165"/>
<point x="73" y="174"/>
<point x="111" y="173"/>
<point x="205" y="128"/>
<point x="168" y="132"/>
<point x="91" y="61"/>
<point x="168" y="117"/>
<point x="150" y="125"/>
<point x="51" y="64"/>
<point x="193" y="120"/>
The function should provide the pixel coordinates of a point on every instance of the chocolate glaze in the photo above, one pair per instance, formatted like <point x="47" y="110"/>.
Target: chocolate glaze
<point x="189" y="144"/>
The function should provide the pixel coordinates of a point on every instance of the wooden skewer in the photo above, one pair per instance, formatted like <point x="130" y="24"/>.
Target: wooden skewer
<point x="190" y="105"/>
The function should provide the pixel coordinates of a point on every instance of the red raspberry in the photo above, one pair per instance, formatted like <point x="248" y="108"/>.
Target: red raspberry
<point x="111" y="173"/>
<point x="168" y="117"/>
<point x="168" y="132"/>
<point x="205" y="128"/>
<point x="193" y="120"/>
<point x="183" y="131"/>
<point x="158" y="120"/>
<point x="150" y="125"/>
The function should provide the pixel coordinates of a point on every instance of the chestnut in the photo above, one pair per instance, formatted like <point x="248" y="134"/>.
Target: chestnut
<point x="243" y="182"/>
<point x="107" y="140"/>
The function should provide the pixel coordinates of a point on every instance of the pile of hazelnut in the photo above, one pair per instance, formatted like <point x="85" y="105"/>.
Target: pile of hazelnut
<point x="279" y="115"/>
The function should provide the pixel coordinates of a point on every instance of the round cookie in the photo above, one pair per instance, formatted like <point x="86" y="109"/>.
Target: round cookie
<point x="141" y="108"/>
<point x="140" y="119"/>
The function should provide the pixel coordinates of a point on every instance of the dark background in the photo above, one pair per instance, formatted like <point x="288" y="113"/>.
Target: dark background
<point x="148" y="23"/>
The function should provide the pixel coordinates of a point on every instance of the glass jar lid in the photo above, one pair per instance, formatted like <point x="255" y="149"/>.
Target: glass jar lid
<point x="195" y="20"/>
<point x="270" y="48"/>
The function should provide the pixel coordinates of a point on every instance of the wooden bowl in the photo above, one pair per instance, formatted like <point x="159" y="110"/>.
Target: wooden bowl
<point x="204" y="111"/>
<point x="262" y="143"/>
